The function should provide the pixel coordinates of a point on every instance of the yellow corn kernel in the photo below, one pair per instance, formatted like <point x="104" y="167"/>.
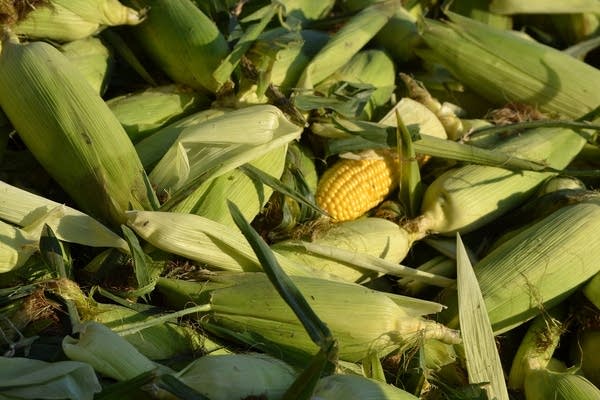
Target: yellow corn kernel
<point x="354" y="186"/>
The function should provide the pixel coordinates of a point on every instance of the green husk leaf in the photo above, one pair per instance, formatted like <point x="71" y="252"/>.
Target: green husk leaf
<point x="482" y="358"/>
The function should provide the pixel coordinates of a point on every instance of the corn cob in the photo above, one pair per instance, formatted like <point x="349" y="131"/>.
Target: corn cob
<point x="466" y="198"/>
<point x="68" y="20"/>
<point x="20" y="207"/>
<point x="357" y="387"/>
<point x="352" y="187"/>
<point x="503" y="67"/>
<point x="373" y="236"/>
<point x="363" y="321"/>
<point x="144" y="112"/>
<point x="92" y="58"/>
<point x="182" y="41"/>
<point x="56" y="112"/>
<point x="538" y="267"/>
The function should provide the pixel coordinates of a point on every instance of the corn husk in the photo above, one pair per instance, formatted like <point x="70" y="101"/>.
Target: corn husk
<point x="203" y="240"/>
<point x="17" y="245"/>
<point x="445" y="112"/>
<point x="248" y="374"/>
<point x="362" y="320"/>
<point x="545" y="384"/>
<point x="355" y="387"/>
<point x="526" y="274"/>
<point x="589" y="346"/>
<point x="68" y="20"/>
<point x="280" y="56"/>
<point x="22" y="208"/>
<point x="108" y="353"/>
<point x="414" y="113"/>
<point x="592" y="290"/>
<point x="373" y="236"/>
<point x="304" y="10"/>
<point x="157" y="342"/>
<point x="210" y="199"/>
<point x="536" y="348"/>
<point x="92" y="58"/>
<point x="56" y="112"/>
<point x="367" y="67"/>
<point x="217" y="146"/>
<point x="503" y="67"/>
<point x="400" y="35"/>
<point x="152" y="148"/>
<point x="540" y="7"/>
<point x="182" y="41"/>
<point x="144" y="112"/>
<point x="466" y="198"/>
<point x="346" y="42"/>
<point x="27" y="378"/>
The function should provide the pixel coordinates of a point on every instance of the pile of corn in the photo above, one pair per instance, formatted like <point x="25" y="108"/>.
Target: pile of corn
<point x="297" y="199"/>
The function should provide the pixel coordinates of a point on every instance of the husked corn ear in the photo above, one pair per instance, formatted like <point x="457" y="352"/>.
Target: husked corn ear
<point x="67" y="20"/>
<point x="182" y="41"/>
<point x="538" y="267"/>
<point x="70" y="130"/>
<point x="354" y="186"/>
<point x="363" y="321"/>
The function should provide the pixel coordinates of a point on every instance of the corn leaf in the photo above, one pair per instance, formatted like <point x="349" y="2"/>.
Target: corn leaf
<point x="371" y="135"/>
<point x="411" y="190"/>
<point x="481" y="354"/>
